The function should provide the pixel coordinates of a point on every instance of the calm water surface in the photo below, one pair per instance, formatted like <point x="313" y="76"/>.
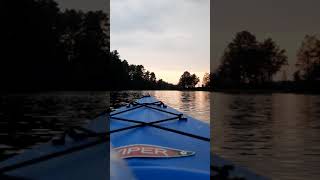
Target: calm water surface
<point x="277" y="135"/>
<point x="30" y="119"/>
<point x="193" y="103"/>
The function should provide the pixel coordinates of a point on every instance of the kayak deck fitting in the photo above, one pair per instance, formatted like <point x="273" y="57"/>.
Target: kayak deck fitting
<point x="171" y="146"/>
<point x="147" y="127"/>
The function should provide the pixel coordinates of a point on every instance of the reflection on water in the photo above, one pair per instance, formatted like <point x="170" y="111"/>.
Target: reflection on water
<point x="193" y="103"/>
<point x="29" y="119"/>
<point x="275" y="134"/>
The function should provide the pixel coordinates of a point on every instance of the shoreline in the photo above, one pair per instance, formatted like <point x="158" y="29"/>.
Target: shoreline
<point x="266" y="91"/>
<point x="227" y="91"/>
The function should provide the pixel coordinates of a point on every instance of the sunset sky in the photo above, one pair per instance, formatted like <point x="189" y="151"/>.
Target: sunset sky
<point x="168" y="37"/>
<point x="171" y="36"/>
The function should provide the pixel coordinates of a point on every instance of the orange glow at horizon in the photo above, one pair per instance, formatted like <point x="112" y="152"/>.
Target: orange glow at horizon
<point x="174" y="76"/>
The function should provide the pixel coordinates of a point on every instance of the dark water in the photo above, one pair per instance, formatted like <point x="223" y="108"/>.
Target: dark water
<point x="30" y="119"/>
<point x="277" y="135"/>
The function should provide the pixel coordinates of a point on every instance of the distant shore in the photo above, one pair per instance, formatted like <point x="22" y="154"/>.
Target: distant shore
<point x="234" y="90"/>
<point x="267" y="91"/>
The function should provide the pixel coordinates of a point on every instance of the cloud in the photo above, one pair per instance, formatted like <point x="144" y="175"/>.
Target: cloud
<point x="162" y="34"/>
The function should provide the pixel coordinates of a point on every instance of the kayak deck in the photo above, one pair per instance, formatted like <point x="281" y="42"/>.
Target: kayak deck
<point x="164" y="127"/>
<point x="83" y="159"/>
<point x="88" y="158"/>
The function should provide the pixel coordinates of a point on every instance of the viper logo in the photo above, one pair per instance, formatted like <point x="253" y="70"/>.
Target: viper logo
<point x="150" y="151"/>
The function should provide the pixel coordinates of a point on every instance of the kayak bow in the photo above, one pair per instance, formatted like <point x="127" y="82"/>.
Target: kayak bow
<point x="158" y="142"/>
<point x="155" y="140"/>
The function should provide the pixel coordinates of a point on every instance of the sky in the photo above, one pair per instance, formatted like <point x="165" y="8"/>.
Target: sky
<point x="285" y="21"/>
<point x="167" y="37"/>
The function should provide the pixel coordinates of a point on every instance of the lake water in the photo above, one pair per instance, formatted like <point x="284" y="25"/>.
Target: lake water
<point x="194" y="103"/>
<point x="34" y="118"/>
<point x="28" y="119"/>
<point x="277" y="135"/>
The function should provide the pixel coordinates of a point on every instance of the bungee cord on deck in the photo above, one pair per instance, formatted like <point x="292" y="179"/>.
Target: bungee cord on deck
<point x="102" y="137"/>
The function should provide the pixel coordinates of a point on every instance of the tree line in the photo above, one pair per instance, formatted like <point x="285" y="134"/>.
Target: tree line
<point x="249" y="63"/>
<point x="130" y="76"/>
<point x="46" y="48"/>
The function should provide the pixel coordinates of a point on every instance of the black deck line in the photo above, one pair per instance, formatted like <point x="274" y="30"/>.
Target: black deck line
<point x="152" y="124"/>
<point x="146" y="123"/>
<point x="160" y="110"/>
<point x="125" y="111"/>
<point x="101" y="138"/>
<point x="153" y="103"/>
<point x="122" y="129"/>
<point x="146" y="105"/>
<point x="50" y="156"/>
<point x="181" y="132"/>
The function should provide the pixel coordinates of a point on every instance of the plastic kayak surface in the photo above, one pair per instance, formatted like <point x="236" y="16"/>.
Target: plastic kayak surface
<point x="75" y="159"/>
<point x="177" y="147"/>
<point x="158" y="142"/>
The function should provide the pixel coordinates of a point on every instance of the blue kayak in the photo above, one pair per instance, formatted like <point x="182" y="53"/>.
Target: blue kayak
<point x="81" y="153"/>
<point x="159" y="142"/>
<point x="149" y="141"/>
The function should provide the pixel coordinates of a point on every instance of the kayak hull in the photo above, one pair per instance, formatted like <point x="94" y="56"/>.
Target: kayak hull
<point x="73" y="160"/>
<point x="196" y="166"/>
<point x="88" y="158"/>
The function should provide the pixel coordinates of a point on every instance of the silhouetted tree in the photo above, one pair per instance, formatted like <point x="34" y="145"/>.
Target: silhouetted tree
<point x="164" y="85"/>
<point x="29" y="43"/>
<point x="308" y="59"/>
<point x="246" y="60"/>
<point x="125" y="76"/>
<point x="273" y="58"/>
<point x="44" y="48"/>
<point x="208" y="80"/>
<point x="188" y="80"/>
<point x="153" y="78"/>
